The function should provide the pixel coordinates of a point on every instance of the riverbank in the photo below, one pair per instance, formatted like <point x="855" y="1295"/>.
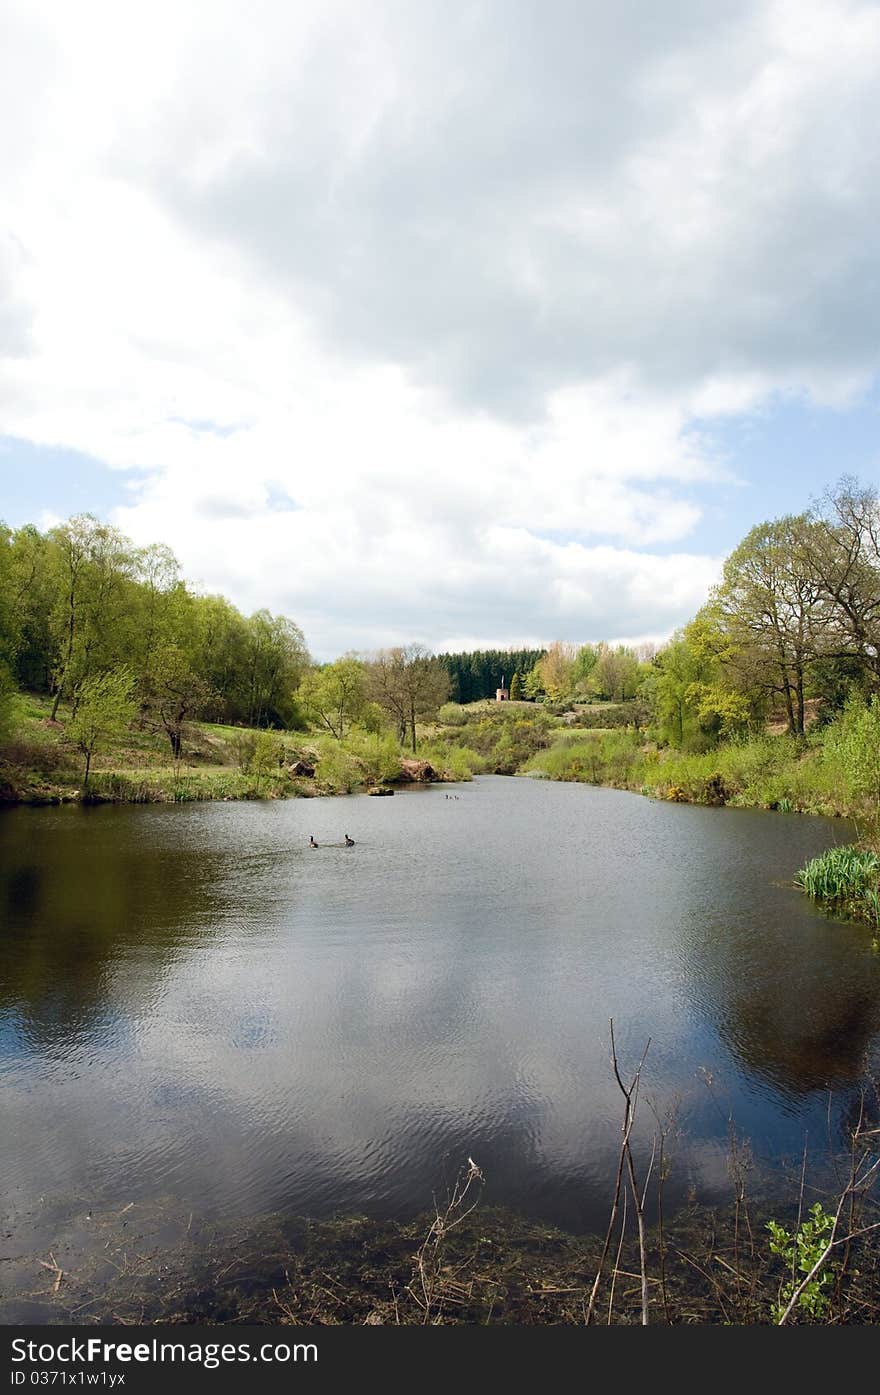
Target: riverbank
<point x="761" y="770"/>
<point x="494" y="1268"/>
<point x="39" y="765"/>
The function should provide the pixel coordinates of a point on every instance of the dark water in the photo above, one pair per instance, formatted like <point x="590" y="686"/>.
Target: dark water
<point x="195" y="1005"/>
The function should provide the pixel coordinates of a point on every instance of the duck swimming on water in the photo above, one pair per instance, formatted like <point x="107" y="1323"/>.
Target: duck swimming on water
<point x="349" y="842"/>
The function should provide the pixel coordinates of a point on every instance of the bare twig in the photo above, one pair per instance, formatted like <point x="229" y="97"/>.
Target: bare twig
<point x="630" y="1096"/>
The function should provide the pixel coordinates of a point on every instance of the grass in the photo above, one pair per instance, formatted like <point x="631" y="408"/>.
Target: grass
<point x="219" y="762"/>
<point x="761" y="771"/>
<point x="844" y="879"/>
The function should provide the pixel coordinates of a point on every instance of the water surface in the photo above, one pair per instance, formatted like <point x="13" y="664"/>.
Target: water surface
<point x="195" y="1005"/>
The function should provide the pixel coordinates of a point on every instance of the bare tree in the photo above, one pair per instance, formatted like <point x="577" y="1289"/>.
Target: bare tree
<point x="410" y="683"/>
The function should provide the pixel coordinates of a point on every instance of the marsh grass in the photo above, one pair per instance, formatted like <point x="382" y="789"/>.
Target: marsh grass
<point x="845" y="879"/>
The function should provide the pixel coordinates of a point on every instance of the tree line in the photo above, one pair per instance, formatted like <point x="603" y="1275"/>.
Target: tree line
<point x="794" y="618"/>
<point x="81" y="603"/>
<point x="111" y="632"/>
<point x="476" y="675"/>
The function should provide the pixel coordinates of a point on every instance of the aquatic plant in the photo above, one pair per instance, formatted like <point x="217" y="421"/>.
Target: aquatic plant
<point x="841" y="875"/>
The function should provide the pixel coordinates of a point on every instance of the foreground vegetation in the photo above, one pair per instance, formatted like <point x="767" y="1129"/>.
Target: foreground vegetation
<point x="497" y="1268"/>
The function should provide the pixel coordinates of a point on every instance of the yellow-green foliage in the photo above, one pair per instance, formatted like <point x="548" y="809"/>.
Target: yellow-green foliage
<point x="452" y="714"/>
<point x="764" y="771"/>
<point x="595" y="757"/>
<point x="377" y="753"/>
<point x="453" y="761"/>
<point x="338" y="770"/>
<point x="853" y="744"/>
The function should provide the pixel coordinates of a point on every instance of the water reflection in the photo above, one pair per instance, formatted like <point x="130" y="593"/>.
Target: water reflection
<point x="192" y="1002"/>
<point x="77" y="898"/>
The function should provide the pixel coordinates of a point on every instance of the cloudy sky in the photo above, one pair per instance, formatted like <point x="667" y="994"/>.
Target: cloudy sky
<point x="458" y="322"/>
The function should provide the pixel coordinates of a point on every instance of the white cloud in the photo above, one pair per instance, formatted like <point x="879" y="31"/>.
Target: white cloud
<point x="409" y="315"/>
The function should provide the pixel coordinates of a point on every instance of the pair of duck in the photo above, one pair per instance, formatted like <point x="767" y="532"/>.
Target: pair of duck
<point x="349" y="842"/>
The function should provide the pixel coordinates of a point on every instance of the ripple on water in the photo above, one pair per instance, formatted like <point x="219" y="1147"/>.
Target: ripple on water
<point x="192" y="1001"/>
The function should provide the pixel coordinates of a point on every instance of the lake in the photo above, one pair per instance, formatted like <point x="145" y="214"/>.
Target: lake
<point x="195" y="1005"/>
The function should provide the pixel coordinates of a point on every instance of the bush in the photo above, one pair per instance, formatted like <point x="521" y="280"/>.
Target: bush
<point x="244" y="748"/>
<point x="606" y="758"/>
<point x="453" y="761"/>
<point x="452" y="714"/>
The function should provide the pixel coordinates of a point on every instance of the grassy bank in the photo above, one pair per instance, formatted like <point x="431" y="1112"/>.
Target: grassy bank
<point x="40" y="764"/>
<point x="762" y="771"/>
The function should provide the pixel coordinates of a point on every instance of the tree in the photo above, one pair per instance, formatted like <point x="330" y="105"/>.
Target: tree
<point x="844" y="563"/>
<point x="582" y="670"/>
<point x="104" y="708"/>
<point x="533" y="683"/>
<point x="557" y="667"/>
<point x="515" y="688"/>
<point x="334" y="696"/>
<point x="92" y="562"/>
<point x="29" y="591"/>
<point x="409" y="683"/>
<point x="615" y="674"/>
<point x="172" y="693"/>
<point x="770" y="604"/>
<point x="276" y="657"/>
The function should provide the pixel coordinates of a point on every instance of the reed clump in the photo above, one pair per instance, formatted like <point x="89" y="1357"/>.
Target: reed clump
<point x="846" y="879"/>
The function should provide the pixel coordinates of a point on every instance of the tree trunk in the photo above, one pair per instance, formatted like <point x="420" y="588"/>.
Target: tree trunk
<point x="789" y="706"/>
<point x="71" y="627"/>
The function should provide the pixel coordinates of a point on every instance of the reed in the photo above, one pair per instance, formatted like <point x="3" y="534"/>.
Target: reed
<point x="842" y="876"/>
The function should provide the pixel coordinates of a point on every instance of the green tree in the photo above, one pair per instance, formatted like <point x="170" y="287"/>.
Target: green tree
<point x="616" y="673"/>
<point x="276" y="657"/>
<point x="172" y="694"/>
<point x="335" y="695"/>
<point x="770" y="603"/>
<point x="692" y="696"/>
<point x="515" y="688"/>
<point x="582" y="670"/>
<point x="92" y="563"/>
<point x="104" y="708"/>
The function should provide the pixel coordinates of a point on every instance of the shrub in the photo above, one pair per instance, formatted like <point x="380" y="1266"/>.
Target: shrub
<point x="244" y="748"/>
<point x="802" y="1249"/>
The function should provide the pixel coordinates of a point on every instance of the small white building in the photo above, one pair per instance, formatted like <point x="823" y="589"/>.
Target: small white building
<point x="502" y="694"/>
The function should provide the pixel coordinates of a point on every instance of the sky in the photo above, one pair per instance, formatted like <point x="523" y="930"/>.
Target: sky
<point x="466" y="324"/>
